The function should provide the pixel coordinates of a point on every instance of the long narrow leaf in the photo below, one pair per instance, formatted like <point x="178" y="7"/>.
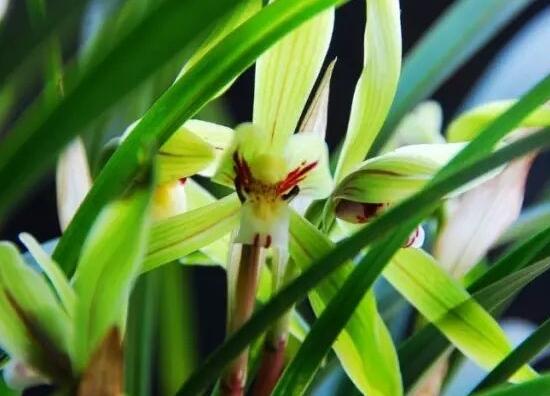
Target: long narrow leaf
<point x="364" y="347"/>
<point x="422" y="201"/>
<point x="539" y="387"/>
<point x="46" y="129"/>
<point x="200" y="83"/>
<point x="526" y="351"/>
<point x="441" y="51"/>
<point x="446" y="304"/>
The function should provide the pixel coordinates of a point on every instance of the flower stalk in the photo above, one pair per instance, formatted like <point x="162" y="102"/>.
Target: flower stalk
<point x="234" y="378"/>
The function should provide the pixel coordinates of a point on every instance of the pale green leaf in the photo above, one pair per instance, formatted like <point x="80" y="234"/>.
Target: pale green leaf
<point x="469" y="124"/>
<point x="364" y="347"/>
<point x="14" y="338"/>
<point x="110" y="261"/>
<point x="285" y="75"/>
<point x="443" y="301"/>
<point x="377" y="84"/>
<point x="53" y="272"/>
<point x="180" y="235"/>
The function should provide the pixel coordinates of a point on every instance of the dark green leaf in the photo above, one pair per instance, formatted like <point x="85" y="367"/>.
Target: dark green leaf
<point x="536" y="387"/>
<point x="527" y="350"/>
<point x="48" y="126"/>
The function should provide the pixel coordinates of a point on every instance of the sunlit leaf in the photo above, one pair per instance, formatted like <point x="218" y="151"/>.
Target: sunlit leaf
<point x="446" y="304"/>
<point x="364" y="347"/>
<point x="377" y="84"/>
<point x="119" y="236"/>
<point x="53" y="272"/>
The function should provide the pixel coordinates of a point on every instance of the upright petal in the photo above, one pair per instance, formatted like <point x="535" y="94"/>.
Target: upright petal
<point x="421" y="126"/>
<point x="309" y="148"/>
<point x="377" y="85"/>
<point x="315" y="119"/>
<point x="285" y="75"/>
<point x="73" y="181"/>
<point x="480" y="216"/>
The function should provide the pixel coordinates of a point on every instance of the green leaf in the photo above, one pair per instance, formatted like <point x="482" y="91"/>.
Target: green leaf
<point x="491" y="290"/>
<point x="445" y="303"/>
<point x="468" y="125"/>
<point x="30" y="36"/>
<point x="285" y="75"/>
<point x="324" y="332"/>
<point x="199" y="84"/>
<point x="45" y="129"/>
<point x="33" y="325"/>
<point x="420" y="204"/>
<point x="180" y="235"/>
<point x="364" y="347"/>
<point x="112" y="255"/>
<point x="377" y="84"/>
<point x="538" y="386"/>
<point x="526" y="351"/>
<point x="53" y="272"/>
<point x="441" y="51"/>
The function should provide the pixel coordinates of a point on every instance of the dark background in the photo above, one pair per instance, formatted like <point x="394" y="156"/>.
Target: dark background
<point x="37" y="212"/>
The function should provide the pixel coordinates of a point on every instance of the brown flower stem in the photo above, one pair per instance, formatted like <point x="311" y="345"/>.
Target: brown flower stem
<point x="272" y="364"/>
<point x="234" y="378"/>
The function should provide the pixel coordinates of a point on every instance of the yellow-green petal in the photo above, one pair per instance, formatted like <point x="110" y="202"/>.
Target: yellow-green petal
<point x="285" y="75"/>
<point x="195" y="147"/>
<point x="377" y="84"/>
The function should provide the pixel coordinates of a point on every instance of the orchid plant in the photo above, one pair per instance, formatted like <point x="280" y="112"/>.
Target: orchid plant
<point x="291" y="227"/>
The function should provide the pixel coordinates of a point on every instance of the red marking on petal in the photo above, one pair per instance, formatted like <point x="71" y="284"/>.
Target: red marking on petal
<point x="267" y="241"/>
<point x="183" y="180"/>
<point x="256" y="240"/>
<point x="295" y="176"/>
<point x="412" y="238"/>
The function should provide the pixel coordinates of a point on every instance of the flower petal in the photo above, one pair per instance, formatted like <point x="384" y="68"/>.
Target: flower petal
<point x="285" y="75"/>
<point x="73" y="181"/>
<point x="394" y="176"/>
<point x="169" y="199"/>
<point x="250" y="141"/>
<point x="315" y="119"/>
<point x="480" y="216"/>
<point x="377" y="85"/>
<point x="307" y="148"/>
<point x="196" y="146"/>
<point x="470" y="123"/>
<point x="422" y="125"/>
